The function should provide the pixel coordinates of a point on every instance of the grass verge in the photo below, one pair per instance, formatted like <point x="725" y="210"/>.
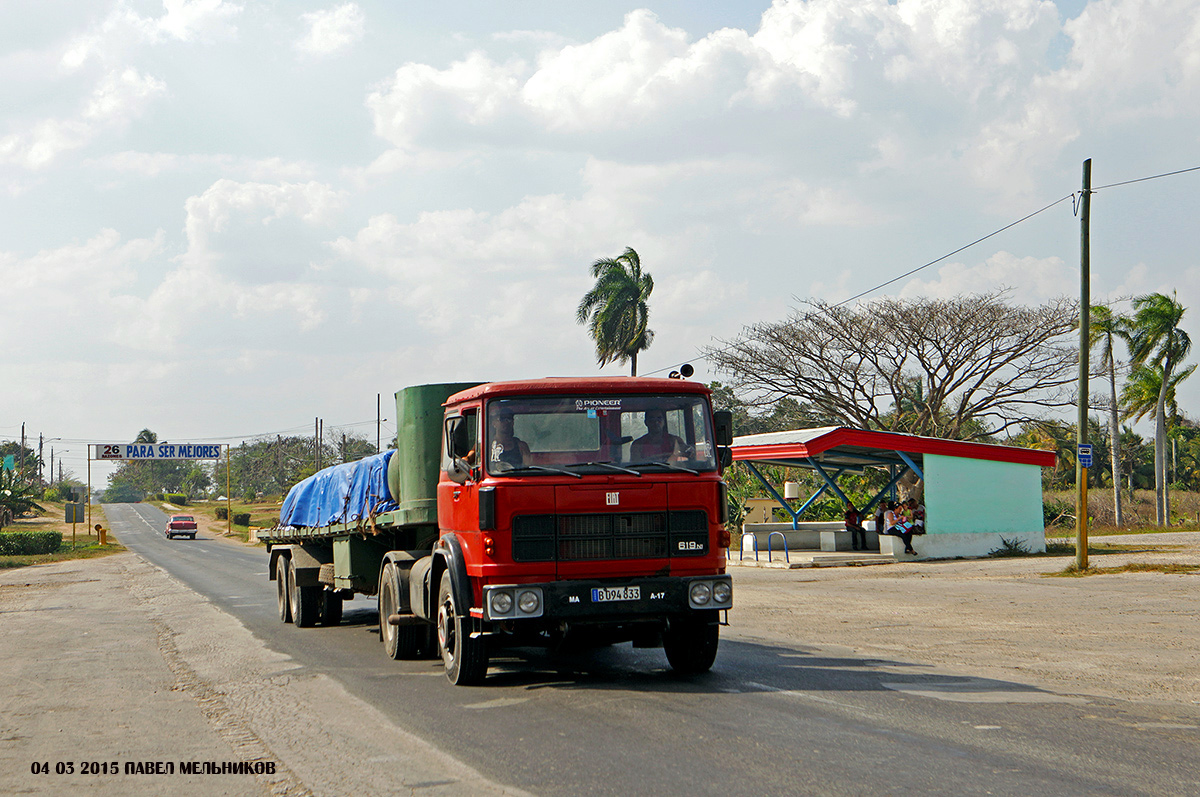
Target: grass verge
<point x="86" y="545"/>
<point x="1071" y="571"/>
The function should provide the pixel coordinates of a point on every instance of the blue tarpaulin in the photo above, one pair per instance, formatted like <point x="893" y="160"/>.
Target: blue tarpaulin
<point x="342" y="494"/>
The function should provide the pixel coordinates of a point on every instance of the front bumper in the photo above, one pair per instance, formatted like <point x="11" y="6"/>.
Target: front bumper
<point x="575" y="600"/>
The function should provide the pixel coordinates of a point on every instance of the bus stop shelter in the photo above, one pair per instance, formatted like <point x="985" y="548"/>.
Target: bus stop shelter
<point x="976" y="495"/>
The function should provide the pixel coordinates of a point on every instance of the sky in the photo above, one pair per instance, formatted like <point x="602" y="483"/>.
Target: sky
<point x="220" y="220"/>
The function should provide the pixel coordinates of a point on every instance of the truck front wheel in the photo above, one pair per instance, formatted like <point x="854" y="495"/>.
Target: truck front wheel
<point x="465" y="659"/>
<point x="399" y="641"/>
<point x="691" y="644"/>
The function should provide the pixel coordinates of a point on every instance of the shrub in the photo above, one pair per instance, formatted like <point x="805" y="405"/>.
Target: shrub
<point x="1013" y="547"/>
<point x="1056" y="512"/>
<point x="178" y="499"/>
<point x="241" y="519"/>
<point x="222" y="513"/>
<point x="25" y="543"/>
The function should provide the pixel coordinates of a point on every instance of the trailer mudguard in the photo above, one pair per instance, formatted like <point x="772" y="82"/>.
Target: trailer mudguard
<point x="419" y="599"/>
<point x="408" y="565"/>
<point x="307" y="566"/>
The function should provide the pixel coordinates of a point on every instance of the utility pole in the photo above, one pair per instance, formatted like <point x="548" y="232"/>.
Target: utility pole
<point x="41" y="464"/>
<point x="1085" y="305"/>
<point x="21" y="456"/>
<point x="378" y="439"/>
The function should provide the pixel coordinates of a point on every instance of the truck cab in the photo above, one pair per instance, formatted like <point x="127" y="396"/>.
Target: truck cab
<point x="573" y="509"/>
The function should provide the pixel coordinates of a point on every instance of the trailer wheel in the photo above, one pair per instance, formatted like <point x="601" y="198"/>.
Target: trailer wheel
<point x="399" y="641"/>
<point x="331" y="607"/>
<point x="305" y="601"/>
<point x="691" y="644"/>
<point x="281" y="589"/>
<point x="466" y="659"/>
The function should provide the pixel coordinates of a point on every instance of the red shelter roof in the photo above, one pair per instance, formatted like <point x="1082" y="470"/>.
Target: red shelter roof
<point x="843" y="447"/>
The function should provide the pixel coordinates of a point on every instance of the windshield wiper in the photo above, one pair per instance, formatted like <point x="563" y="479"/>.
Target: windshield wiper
<point x="523" y="468"/>
<point x="610" y="466"/>
<point x="670" y="465"/>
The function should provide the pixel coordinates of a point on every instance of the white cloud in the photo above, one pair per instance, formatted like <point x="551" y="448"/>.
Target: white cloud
<point x="119" y="97"/>
<point x="1030" y="280"/>
<point x="834" y="56"/>
<point x="1130" y="61"/>
<point x="228" y="202"/>
<point x="123" y="29"/>
<point x="332" y="30"/>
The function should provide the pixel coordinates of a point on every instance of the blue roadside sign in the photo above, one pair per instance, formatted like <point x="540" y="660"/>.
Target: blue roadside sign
<point x="1085" y="455"/>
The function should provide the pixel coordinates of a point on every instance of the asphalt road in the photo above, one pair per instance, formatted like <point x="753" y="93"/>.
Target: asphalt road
<point x="768" y="719"/>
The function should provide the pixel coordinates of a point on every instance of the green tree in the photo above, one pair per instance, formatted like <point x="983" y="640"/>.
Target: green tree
<point x="960" y="368"/>
<point x="145" y="477"/>
<point x="18" y="493"/>
<point x="1104" y="329"/>
<point x="1157" y="340"/>
<point x="616" y="309"/>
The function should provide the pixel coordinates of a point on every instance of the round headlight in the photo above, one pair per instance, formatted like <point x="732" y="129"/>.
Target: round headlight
<point x="501" y="603"/>
<point x="701" y="593"/>
<point x="528" y="601"/>
<point x="722" y="592"/>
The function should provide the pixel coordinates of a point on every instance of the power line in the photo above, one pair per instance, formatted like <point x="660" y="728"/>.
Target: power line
<point x="1144" y="179"/>
<point x="955" y="252"/>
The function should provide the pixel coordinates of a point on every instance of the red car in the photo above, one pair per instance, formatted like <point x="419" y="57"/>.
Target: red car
<point x="181" y="526"/>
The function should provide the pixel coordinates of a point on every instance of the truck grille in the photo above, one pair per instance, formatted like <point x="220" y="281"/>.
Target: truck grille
<point x="641" y="535"/>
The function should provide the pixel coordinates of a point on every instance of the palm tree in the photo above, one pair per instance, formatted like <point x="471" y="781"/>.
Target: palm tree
<point x="1104" y="328"/>
<point x="1139" y="395"/>
<point x="1156" y="339"/>
<point x="616" y="311"/>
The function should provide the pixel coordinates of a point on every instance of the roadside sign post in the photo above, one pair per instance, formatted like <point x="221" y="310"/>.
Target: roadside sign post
<point x="74" y="511"/>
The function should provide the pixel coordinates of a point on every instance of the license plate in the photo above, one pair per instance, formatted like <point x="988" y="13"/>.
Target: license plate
<point x="606" y="594"/>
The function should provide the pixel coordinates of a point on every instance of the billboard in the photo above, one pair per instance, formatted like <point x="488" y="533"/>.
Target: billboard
<point x="157" y="451"/>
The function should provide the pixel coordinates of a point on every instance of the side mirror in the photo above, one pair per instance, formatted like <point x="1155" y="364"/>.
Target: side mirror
<point x="459" y="471"/>
<point x="723" y="421"/>
<point x="457" y="442"/>
<point x="724" y="457"/>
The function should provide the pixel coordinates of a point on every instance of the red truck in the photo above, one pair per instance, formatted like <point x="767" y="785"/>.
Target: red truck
<point x="542" y="512"/>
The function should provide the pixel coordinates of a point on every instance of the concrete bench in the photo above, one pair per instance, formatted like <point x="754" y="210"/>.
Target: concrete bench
<point x="805" y="537"/>
<point x="841" y="540"/>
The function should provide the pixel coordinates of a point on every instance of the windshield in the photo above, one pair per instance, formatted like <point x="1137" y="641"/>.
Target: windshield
<point x="582" y="434"/>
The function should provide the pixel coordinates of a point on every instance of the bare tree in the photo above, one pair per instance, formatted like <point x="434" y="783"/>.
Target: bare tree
<point x="961" y="368"/>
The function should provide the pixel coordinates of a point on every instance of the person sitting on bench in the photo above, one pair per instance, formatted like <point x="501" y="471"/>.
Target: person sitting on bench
<point x="916" y="513"/>
<point x="858" y="535"/>
<point x="897" y="527"/>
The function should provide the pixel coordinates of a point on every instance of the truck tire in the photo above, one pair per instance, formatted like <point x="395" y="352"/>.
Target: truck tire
<point x="305" y="601"/>
<point x="691" y="644"/>
<point x="399" y="641"/>
<point x="465" y="659"/>
<point x="331" y="607"/>
<point x="281" y="589"/>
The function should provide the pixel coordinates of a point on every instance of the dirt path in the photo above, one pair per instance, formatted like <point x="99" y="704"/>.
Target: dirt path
<point x="1129" y="635"/>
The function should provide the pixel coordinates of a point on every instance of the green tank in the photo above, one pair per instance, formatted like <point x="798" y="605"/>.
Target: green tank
<point x="414" y="469"/>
